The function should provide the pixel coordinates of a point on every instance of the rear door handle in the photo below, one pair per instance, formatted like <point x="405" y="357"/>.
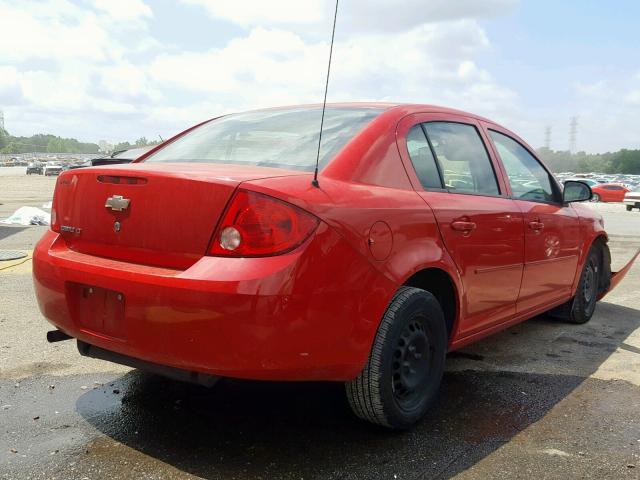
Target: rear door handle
<point x="463" y="226"/>
<point x="536" y="225"/>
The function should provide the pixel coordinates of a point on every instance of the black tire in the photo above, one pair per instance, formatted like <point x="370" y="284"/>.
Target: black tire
<point x="595" y="198"/>
<point x="402" y="376"/>
<point x="581" y="307"/>
<point x="629" y="208"/>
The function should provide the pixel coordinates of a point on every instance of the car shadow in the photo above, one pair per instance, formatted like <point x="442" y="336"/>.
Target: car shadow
<point x="6" y="232"/>
<point x="490" y="392"/>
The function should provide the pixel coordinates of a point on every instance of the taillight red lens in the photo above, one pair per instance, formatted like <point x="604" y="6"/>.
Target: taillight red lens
<point x="257" y="225"/>
<point x="55" y="226"/>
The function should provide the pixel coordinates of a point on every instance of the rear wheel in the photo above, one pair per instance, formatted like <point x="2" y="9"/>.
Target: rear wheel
<point x="595" y="197"/>
<point x="629" y="208"/>
<point x="402" y="376"/>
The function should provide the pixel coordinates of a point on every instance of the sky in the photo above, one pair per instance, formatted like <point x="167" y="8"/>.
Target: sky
<point x="117" y="70"/>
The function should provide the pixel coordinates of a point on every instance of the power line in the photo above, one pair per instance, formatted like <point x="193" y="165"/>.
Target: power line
<point x="547" y="137"/>
<point x="573" y="134"/>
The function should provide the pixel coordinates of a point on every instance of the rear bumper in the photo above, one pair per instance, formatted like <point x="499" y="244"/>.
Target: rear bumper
<point x="310" y="314"/>
<point x="632" y="201"/>
<point x="92" y="351"/>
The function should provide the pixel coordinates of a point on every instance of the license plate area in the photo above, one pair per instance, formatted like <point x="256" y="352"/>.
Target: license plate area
<point x="98" y="310"/>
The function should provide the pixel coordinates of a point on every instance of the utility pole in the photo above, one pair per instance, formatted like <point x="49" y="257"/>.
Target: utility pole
<point x="573" y="133"/>
<point x="1" y="120"/>
<point x="547" y="137"/>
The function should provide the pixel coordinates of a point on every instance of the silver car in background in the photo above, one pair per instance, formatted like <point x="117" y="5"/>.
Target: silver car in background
<point x="52" y="168"/>
<point x="632" y="199"/>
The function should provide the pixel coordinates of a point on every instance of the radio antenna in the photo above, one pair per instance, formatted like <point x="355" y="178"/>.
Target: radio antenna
<point x="314" y="182"/>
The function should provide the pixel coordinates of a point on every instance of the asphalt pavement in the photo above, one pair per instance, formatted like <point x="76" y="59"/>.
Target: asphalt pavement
<point x="541" y="400"/>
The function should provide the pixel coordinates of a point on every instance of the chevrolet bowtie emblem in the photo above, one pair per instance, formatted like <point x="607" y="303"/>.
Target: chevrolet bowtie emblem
<point x="117" y="203"/>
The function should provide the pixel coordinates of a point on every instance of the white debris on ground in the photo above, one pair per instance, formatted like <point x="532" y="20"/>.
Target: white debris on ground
<point x="28" y="216"/>
<point x="47" y="205"/>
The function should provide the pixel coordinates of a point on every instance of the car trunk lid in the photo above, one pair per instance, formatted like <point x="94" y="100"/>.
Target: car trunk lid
<point x="153" y="214"/>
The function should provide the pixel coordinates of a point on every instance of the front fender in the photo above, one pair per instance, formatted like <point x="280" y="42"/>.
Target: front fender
<point x="591" y="231"/>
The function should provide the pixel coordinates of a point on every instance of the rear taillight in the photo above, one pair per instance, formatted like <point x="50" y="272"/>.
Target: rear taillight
<point x="55" y="226"/>
<point x="257" y="225"/>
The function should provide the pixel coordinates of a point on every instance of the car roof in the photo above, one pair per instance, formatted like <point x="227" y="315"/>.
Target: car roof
<point x="403" y="108"/>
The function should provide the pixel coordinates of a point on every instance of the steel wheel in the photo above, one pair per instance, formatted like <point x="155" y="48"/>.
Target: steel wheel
<point x="401" y="379"/>
<point x="590" y="285"/>
<point x="412" y="362"/>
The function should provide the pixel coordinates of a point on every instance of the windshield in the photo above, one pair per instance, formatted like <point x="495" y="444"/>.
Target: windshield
<point x="273" y="138"/>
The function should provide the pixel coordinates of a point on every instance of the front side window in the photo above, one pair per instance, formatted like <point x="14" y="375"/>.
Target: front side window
<point x="464" y="162"/>
<point x="422" y="158"/>
<point x="280" y="138"/>
<point x="529" y="180"/>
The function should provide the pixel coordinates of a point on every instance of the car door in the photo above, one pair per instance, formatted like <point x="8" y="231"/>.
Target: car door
<point x="615" y="193"/>
<point x="552" y="229"/>
<point x="481" y="228"/>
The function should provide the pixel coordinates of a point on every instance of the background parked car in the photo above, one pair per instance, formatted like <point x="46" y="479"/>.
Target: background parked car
<point x="34" y="167"/>
<point x="121" y="156"/>
<point x="632" y="200"/>
<point x="52" y="168"/>
<point x="589" y="181"/>
<point x="608" y="192"/>
<point x="86" y="163"/>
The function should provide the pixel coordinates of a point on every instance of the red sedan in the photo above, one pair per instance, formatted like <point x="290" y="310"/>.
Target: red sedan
<point x="215" y="255"/>
<point x="609" y="192"/>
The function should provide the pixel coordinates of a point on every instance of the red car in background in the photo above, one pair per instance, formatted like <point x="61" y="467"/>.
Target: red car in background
<point x="609" y="192"/>
<point x="215" y="255"/>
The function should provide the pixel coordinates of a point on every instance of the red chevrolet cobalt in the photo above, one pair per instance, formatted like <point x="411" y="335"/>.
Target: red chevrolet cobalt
<point x="215" y="255"/>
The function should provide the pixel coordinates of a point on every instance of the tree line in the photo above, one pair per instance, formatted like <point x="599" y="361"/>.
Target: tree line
<point x="141" y="142"/>
<point x="44" y="143"/>
<point x="623" y="161"/>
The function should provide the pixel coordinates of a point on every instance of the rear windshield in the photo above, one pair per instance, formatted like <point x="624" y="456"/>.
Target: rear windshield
<point x="271" y="138"/>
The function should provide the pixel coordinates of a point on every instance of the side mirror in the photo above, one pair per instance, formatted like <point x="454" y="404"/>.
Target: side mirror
<point x="576" y="192"/>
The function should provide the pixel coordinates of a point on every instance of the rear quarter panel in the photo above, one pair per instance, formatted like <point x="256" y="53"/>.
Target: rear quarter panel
<point x="352" y="209"/>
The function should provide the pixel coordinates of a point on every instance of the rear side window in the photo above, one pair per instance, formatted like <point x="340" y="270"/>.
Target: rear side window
<point x="422" y="158"/>
<point x="463" y="158"/>
<point x="528" y="178"/>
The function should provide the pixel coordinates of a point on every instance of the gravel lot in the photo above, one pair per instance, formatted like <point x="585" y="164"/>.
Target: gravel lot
<point x="540" y="400"/>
